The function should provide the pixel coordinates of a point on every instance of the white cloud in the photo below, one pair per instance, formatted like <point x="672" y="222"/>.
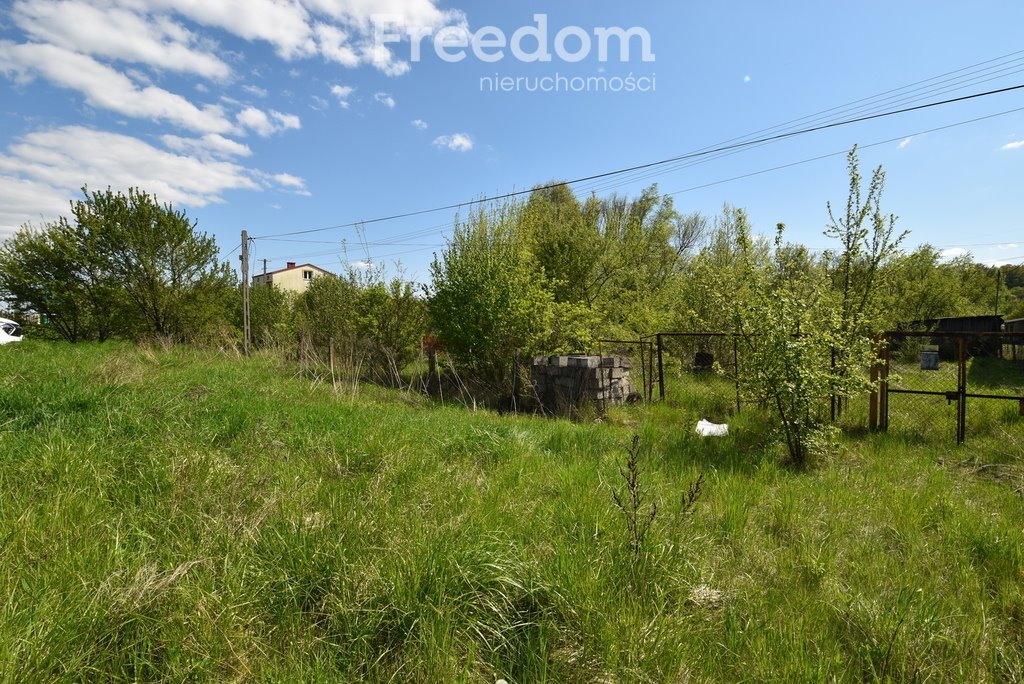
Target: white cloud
<point x="255" y="90"/>
<point x="284" y="24"/>
<point x="265" y="124"/>
<point x="342" y="92"/>
<point x="319" y="103"/>
<point x="334" y="45"/>
<point x="23" y="200"/>
<point x="905" y="142"/>
<point x="51" y="164"/>
<point x="210" y="145"/>
<point x="953" y="252"/>
<point x="1016" y="145"/>
<point x="459" y="142"/>
<point x="107" y="88"/>
<point x="419" y="124"/>
<point x="286" y="121"/>
<point x="385" y="100"/>
<point x="289" y="180"/>
<point x="118" y="33"/>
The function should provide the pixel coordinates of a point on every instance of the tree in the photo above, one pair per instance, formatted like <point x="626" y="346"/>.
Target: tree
<point x="169" y="272"/>
<point x="489" y="299"/>
<point x="806" y="327"/>
<point x="124" y="265"/>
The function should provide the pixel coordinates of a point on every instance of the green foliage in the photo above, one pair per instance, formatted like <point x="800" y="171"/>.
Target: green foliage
<point x="52" y="271"/>
<point x="553" y="273"/>
<point x="271" y="315"/>
<point x="806" y="326"/>
<point x="127" y="265"/>
<point x="489" y="301"/>
<point x="375" y="324"/>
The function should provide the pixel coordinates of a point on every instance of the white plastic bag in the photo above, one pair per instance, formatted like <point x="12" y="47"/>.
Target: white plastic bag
<point x="708" y="429"/>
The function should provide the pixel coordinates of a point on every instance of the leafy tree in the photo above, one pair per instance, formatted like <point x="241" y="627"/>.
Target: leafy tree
<point x="806" y="328"/>
<point x="489" y="299"/>
<point x="169" y="272"/>
<point x="59" y="270"/>
<point x="790" y="325"/>
<point x="376" y="323"/>
<point x="612" y="260"/>
<point x="868" y="242"/>
<point x="124" y="265"/>
<point x="270" y="315"/>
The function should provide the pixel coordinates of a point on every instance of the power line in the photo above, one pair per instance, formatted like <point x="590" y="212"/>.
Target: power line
<point x="829" y="155"/>
<point x="779" y="136"/>
<point x="939" y="84"/>
<point x="871" y="108"/>
<point x="842" y="152"/>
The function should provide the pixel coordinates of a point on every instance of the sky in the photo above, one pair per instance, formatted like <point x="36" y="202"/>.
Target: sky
<point x="285" y="116"/>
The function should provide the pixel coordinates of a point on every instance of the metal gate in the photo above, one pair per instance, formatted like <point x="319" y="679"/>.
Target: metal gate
<point x="930" y="380"/>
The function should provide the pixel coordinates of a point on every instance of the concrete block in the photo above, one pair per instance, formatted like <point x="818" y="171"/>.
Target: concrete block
<point x="585" y="361"/>
<point x="558" y="361"/>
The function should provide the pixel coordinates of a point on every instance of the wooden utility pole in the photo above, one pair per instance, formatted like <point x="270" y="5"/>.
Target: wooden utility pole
<point x="265" y="266"/>
<point x="246" y="327"/>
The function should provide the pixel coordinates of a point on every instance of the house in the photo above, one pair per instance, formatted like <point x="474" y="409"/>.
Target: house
<point x="291" y="278"/>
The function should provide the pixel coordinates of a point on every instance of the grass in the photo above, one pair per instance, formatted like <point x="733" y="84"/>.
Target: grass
<point x="188" y="516"/>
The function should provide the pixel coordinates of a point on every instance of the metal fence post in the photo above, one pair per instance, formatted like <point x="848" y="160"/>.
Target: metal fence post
<point x="661" y="370"/>
<point x="961" y="389"/>
<point x="833" y="398"/>
<point x="736" y="368"/>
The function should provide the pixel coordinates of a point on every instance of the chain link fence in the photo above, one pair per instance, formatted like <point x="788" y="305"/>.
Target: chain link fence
<point x="952" y="386"/>
<point x="930" y="387"/>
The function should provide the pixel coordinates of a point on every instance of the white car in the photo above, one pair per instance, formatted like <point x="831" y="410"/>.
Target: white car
<point x="9" y="331"/>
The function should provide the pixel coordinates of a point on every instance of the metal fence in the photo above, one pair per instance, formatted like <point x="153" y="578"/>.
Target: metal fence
<point x="950" y="385"/>
<point x="929" y="386"/>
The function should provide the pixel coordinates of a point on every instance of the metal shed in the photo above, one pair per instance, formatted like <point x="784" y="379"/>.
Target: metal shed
<point x="976" y="346"/>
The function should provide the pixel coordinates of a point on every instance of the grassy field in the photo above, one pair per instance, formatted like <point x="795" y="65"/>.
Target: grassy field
<point x="187" y="516"/>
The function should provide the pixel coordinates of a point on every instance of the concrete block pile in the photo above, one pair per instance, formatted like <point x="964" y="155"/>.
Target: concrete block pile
<point x="563" y="383"/>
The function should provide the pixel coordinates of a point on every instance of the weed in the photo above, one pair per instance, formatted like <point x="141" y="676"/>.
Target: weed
<point x="637" y="515"/>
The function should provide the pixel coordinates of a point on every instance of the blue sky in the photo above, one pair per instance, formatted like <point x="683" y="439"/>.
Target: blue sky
<point x="284" y="115"/>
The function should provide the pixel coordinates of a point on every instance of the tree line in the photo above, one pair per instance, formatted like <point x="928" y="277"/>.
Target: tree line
<point x="548" y="274"/>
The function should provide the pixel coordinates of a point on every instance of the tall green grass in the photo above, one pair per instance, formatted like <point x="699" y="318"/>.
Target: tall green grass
<point x="187" y="516"/>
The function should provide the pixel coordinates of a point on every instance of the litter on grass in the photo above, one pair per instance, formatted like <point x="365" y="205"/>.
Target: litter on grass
<point x="708" y="429"/>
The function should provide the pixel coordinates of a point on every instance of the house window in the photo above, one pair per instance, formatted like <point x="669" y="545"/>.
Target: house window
<point x="307" y="275"/>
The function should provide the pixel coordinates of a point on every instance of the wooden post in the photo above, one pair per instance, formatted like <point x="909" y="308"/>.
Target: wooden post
<point x="515" y="382"/>
<point x="433" y="379"/>
<point x="884" y="403"/>
<point x="330" y="357"/>
<point x="873" y="400"/>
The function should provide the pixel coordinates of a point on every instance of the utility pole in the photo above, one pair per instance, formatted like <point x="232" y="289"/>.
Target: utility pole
<point x="246" y="329"/>
<point x="265" y="266"/>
